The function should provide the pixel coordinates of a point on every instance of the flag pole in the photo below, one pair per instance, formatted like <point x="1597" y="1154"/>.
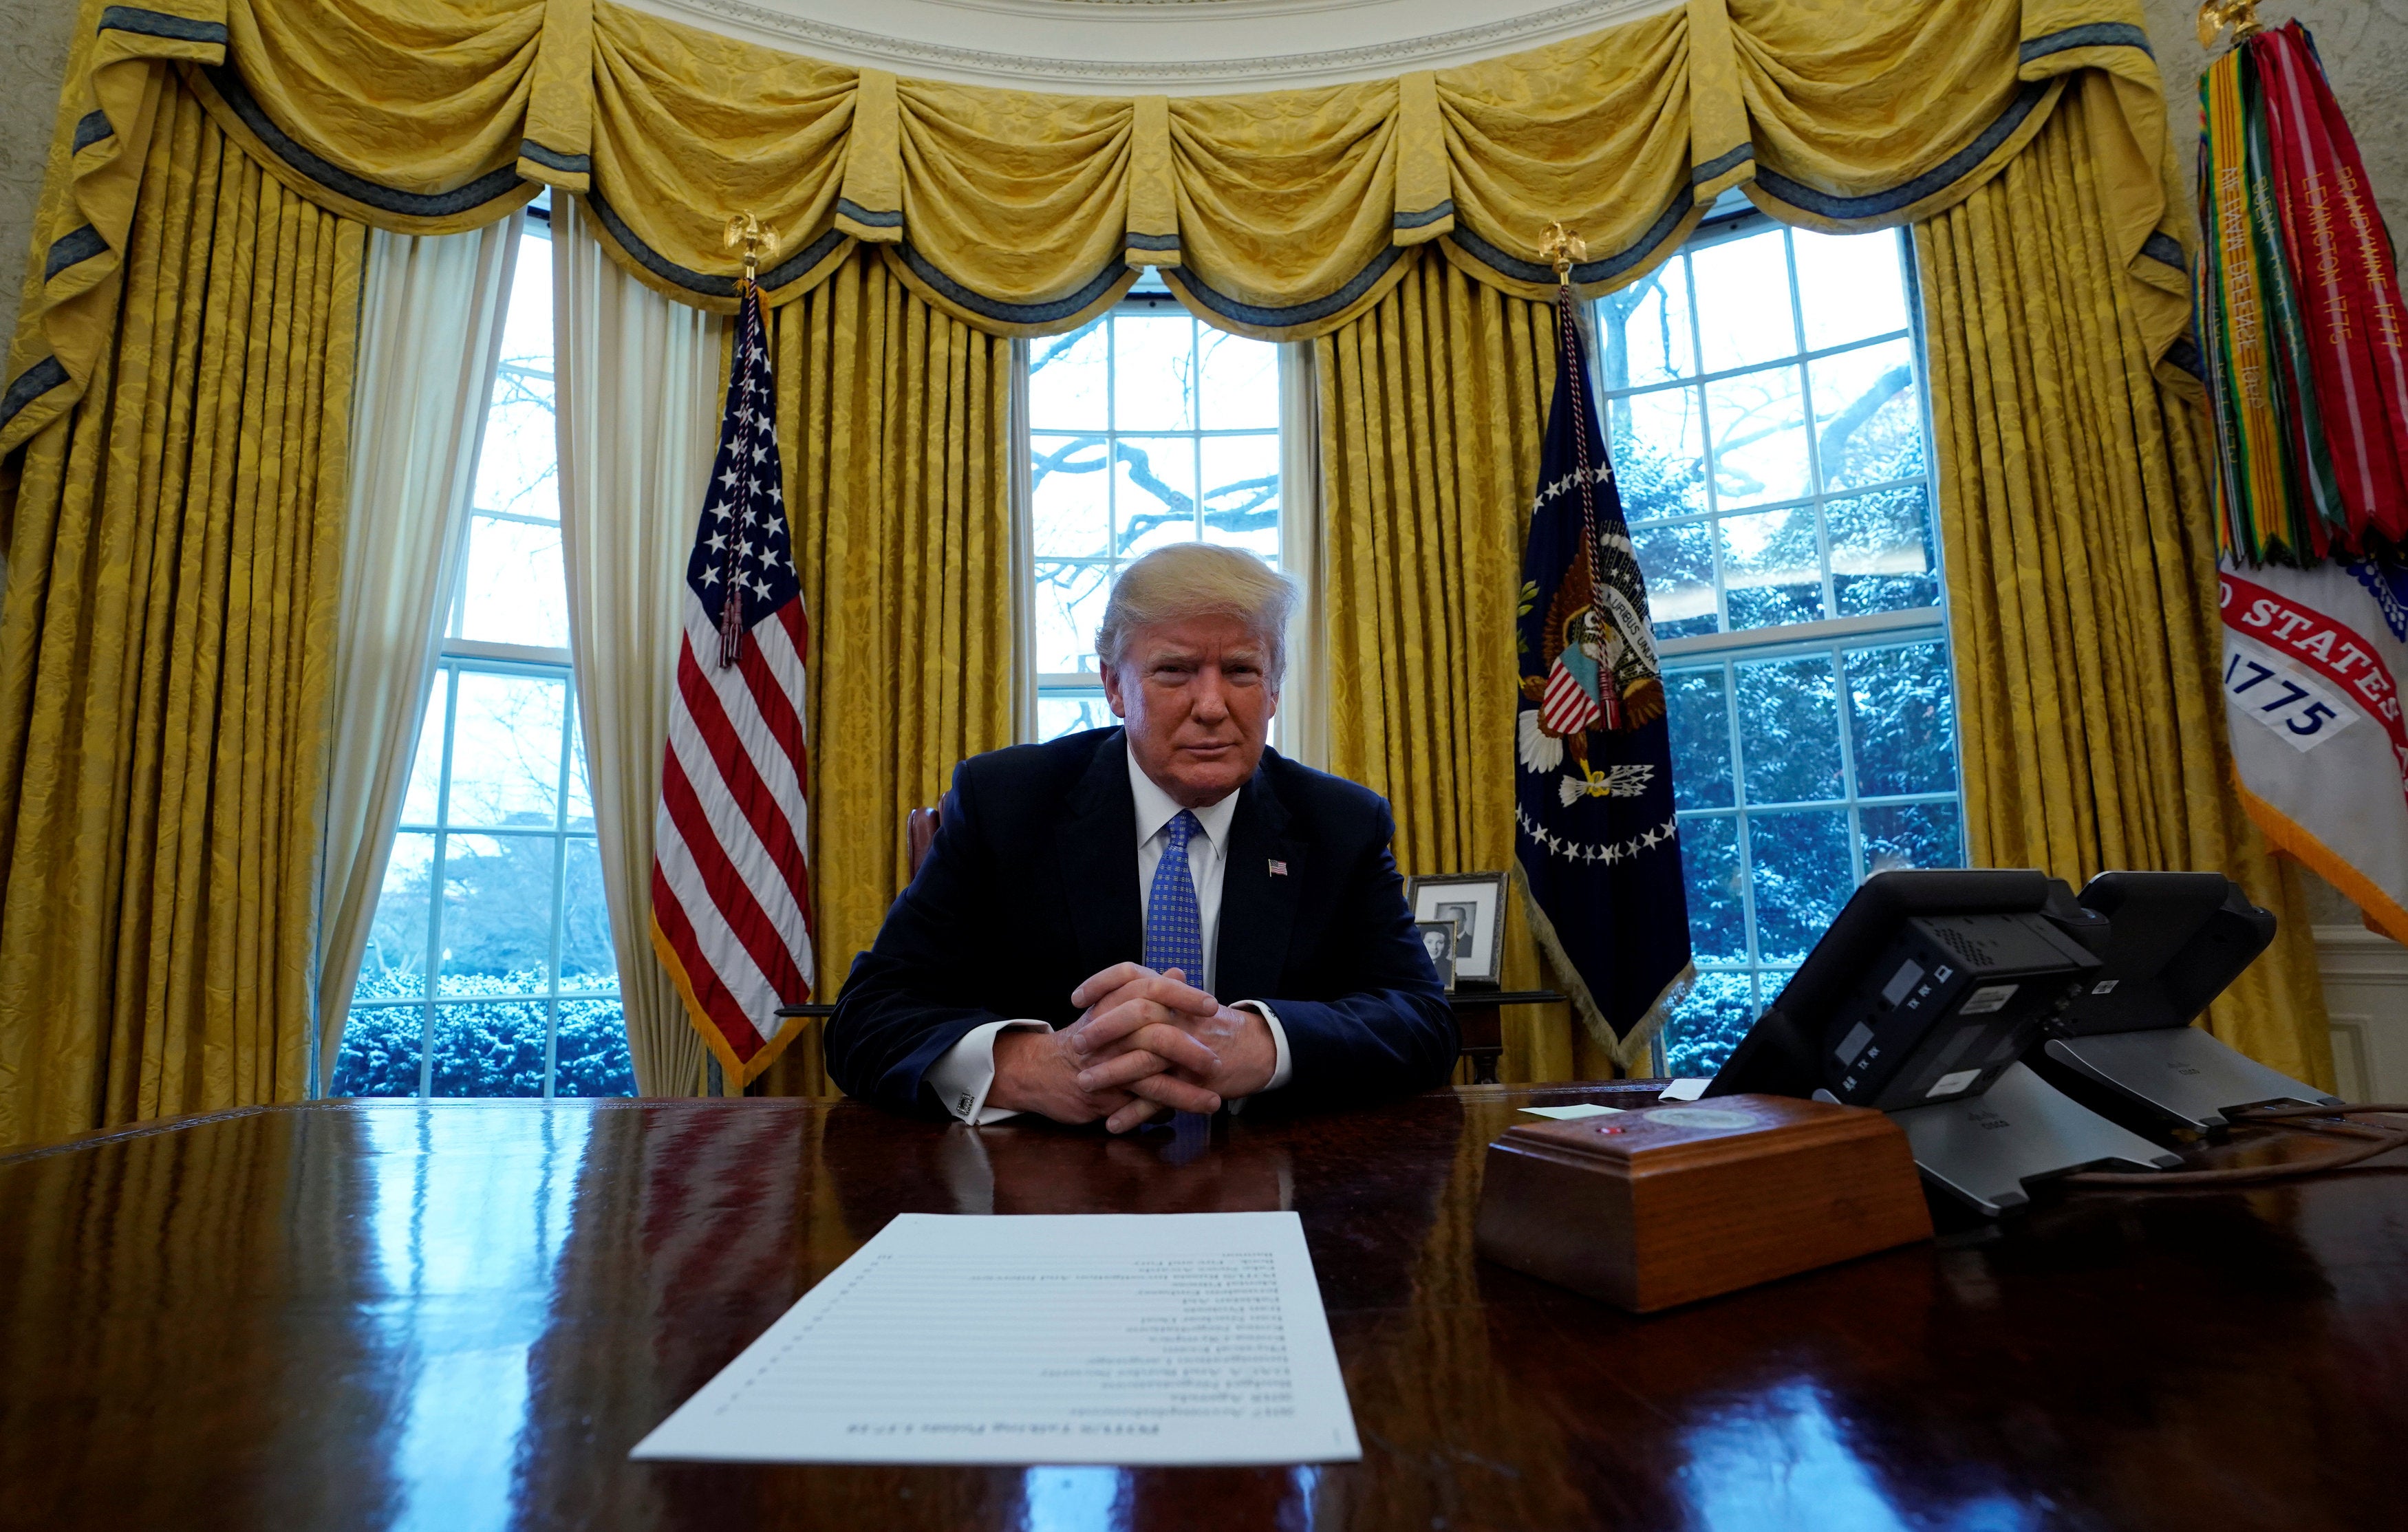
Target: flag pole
<point x="755" y="236"/>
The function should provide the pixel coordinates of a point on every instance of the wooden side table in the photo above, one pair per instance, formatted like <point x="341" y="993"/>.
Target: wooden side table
<point x="1477" y="1016"/>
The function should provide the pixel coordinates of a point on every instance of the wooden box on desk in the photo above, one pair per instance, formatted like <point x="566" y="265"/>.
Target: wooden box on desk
<point x="1675" y="1203"/>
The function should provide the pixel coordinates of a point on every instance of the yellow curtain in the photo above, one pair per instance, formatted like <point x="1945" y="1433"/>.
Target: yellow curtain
<point x="892" y="416"/>
<point x="1279" y="213"/>
<point x="2080" y="552"/>
<point x="174" y="552"/>
<point x="1433" y="405"/>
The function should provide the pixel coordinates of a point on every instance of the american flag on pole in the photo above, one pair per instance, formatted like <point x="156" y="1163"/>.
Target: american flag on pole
<point x="731" y="888"/>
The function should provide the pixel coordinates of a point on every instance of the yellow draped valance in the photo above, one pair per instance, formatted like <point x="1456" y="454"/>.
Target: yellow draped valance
<point x="1283" y="214"/>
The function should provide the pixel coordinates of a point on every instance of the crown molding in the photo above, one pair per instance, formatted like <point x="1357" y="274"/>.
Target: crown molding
<point x="1112" y="72"/>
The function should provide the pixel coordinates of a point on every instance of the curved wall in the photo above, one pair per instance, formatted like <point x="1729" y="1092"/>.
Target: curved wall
<point x="1154" y="46"/>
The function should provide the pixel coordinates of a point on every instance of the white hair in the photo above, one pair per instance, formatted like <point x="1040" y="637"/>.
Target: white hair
<point x="1199" y="579"/>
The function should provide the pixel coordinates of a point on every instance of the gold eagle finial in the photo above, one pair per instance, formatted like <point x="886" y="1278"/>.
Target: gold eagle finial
<point x="2240" y="15"/>
<point x="755" y="236"/>
<point x="1562" y="250"/>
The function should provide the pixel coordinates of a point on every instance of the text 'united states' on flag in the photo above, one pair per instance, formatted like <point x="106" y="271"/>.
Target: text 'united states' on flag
<point x="1596" y="836"/>
<point x="731" y="886"/>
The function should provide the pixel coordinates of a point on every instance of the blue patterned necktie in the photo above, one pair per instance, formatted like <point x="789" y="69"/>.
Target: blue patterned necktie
<point x="1174" y="929"/>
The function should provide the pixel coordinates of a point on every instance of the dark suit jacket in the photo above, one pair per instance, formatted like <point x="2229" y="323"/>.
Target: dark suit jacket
<point x="1030" y="888"/>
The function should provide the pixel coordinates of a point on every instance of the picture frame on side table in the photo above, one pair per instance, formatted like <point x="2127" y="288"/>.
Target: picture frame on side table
<point x="1474" y="900"/>
<point x="1440" y="939"/>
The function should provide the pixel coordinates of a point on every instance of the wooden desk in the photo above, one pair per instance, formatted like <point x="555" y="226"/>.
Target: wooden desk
<point x="463" y="1315"/>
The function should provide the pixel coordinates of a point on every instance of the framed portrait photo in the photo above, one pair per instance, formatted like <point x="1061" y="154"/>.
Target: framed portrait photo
<point x="1440" y="939"/>
<point x="1475" y="901"/>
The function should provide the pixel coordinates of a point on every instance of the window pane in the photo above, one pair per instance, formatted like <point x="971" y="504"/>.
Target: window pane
<point x="1912" y="835"/>
<point x="1701" y="1029"/>
<point x="1802" y="873"/>
<point x="1743" y="301"/>
<point x="1242" y="492"/>
<point x="580" y="792"/>
<point x="586" y="959"/>
<point x="590" y="1054"/>
<point x="1773" y="572"/>
<point x="1067" y="379"/>
<point x="496" y="915"/>
<point x="1759" y="429"/>
<point x="1659" y="454"/>
<point x="395" y="965"/>
<point x="1069" y="607"/>
<point x="381" y="1051"/>
<point x="515" y="589"/>
<point x="1867" y="415"/>
<point x="425" y="799"/>
<point x="1153" y="366"/>
<point x="1069" y="496"/>
<point x="526" y="328"/>
<point x="1240" y="385"/>
<point x="518" y="467"/>
<point x="1059" y="715"/>
<point x="1902" y="720"/>
<point x="1849" y="285"/>
<point x="1643" y="330"/>
<point x="1699" y="720"/>
<point x="1154" y="492"/>
<point x="1789" y="729"/>
<point x="489" y="1048"/>
<point x="1881" y="552"/>
<point x="1679" y="565"/>
<point x="1717" y="907"/>
<point x="506" y="751"/>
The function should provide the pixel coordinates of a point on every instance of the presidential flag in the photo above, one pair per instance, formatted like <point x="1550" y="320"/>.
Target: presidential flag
<point x="731" y="890"/>
<point x="1599" y="846"/>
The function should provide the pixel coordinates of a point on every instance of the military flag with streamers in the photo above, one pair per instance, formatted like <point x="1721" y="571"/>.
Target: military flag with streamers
<point x="2301" y="326"/>
<point x="731" y="888"/>
<point x="1599" y="848"/>
<point x="2300" y="313"/>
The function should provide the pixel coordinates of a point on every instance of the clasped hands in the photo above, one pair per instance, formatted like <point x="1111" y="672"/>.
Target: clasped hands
<point x="1146" y="1043"/>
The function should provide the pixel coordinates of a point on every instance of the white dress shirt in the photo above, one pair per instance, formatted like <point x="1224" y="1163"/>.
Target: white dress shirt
<point x="965" y="1073"/>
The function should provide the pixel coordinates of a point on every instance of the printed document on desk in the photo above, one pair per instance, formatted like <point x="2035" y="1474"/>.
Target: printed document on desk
<point x="1109" y="1338"/>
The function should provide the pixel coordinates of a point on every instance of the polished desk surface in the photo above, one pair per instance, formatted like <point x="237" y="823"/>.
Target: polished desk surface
<point x="464" y="1314"/>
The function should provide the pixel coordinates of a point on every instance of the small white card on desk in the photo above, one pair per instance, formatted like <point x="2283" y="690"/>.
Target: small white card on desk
<point x="1686" y="1090"/>
<point x="1109" y="1337"/>
<point x="1578" y="1110"/>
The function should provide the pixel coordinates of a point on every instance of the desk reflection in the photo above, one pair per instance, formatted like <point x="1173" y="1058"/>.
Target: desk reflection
<point x="463" y="1315"/>
<point x="1036" y="1168"/>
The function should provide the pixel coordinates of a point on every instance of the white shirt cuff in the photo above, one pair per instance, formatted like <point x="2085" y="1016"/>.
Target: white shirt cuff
<point x="1281" y="1067"/>
<point x="963" y="1076"/>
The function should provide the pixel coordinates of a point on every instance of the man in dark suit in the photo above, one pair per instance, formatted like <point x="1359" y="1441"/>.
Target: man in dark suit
<point x="1088" y="902"/>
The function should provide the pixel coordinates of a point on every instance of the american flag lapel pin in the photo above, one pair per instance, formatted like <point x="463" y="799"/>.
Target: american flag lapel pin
<point x="1279" y="869"/>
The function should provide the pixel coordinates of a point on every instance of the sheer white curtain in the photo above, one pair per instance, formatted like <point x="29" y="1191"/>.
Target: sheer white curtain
<point x="1304" y="694"/>
<point x="430" y="337"/>
<point x="638" y="378"/>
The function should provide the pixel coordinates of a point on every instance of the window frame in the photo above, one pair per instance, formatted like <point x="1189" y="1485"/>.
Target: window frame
<point x="1835" y="637"/>
<point x="457" y="657"/>
<point x="1088" y="685"/>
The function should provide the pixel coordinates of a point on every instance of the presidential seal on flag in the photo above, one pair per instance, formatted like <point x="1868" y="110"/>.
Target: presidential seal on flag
<point x="1598" y="842"/>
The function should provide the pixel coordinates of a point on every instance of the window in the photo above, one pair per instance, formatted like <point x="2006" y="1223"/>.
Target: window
<point x="1145" y="428"/>
<point x="489" y="969"/>
<point x="1763" y="402"/>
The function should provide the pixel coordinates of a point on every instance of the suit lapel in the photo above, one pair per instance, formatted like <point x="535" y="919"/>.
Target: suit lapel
<point x="1257" y="902"/>
<point x="1095" y="850"/>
